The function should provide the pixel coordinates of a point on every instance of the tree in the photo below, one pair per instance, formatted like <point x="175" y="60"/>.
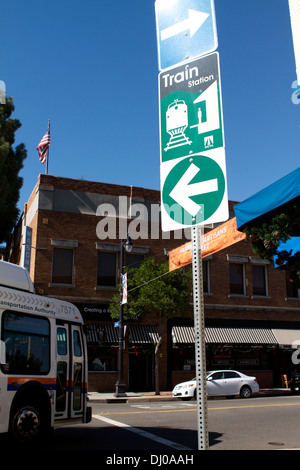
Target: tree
<point x="266" y="240"/>
<point x="11" y="162"/>
<point x="152" y="289"/>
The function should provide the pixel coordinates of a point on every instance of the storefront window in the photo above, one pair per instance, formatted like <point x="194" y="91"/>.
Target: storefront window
<point x="102" y="359"/>
<point x="183" y="358"/>
<point x="239" y="357"/>
<point x="243" y="357"/>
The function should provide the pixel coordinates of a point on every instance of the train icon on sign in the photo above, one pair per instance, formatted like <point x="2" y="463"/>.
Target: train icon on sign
<point x="177" y="122"/>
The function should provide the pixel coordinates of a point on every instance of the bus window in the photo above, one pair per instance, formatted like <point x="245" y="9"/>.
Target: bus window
<point x="61" y="341"/>
<point x="77" y="344"/>
<point x="27" y="341"/>
<point x="77" y="387"/>
<point x="61" y="386"/>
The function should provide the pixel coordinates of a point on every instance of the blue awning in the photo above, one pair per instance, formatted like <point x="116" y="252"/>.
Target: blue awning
<point x="277" y="198"/>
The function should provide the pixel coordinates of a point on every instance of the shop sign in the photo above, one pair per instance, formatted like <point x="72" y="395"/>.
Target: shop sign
<point x="248" y="362"/>
<point x="217" y="239"/>
<point x="223" y="362"/>
<point x="96" y="312"/>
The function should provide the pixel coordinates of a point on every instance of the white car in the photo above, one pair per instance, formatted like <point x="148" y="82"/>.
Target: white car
<point x="220" y="383"/>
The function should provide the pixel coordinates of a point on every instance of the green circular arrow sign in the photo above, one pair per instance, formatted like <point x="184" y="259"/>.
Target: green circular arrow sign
<point x="193" y="190"/>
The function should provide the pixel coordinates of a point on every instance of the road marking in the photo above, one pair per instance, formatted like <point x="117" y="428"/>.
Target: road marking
<point x="153" y="410"/>
<point x="253" y="406"/>
<point x="141" y="406"/>
<point x="140" y="432"/>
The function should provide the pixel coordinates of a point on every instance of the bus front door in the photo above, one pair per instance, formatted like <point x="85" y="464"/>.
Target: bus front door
<point x="77" y="373"/>
<point x="70" y="373"/>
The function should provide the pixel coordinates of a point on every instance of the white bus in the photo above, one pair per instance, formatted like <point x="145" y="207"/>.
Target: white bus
<point x="43" y="359"/>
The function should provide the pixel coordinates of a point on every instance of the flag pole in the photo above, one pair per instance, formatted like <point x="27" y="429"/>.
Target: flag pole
<point x="47" y="160"/>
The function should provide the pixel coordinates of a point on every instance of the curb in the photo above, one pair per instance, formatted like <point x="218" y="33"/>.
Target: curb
<point x="98" y="397"/>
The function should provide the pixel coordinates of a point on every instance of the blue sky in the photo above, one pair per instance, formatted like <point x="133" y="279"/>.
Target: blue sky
<point x="91" y="67"/>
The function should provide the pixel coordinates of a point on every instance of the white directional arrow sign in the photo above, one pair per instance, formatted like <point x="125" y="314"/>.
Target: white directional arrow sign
<point x="183" y="190"/>
<point x="193" y="23"/>
<point x="186" y="29"/>
<point x="194" y="190"/>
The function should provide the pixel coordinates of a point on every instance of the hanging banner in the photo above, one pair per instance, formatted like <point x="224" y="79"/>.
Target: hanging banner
<point x="124" y="283"/>
<point x="221" y="237"/>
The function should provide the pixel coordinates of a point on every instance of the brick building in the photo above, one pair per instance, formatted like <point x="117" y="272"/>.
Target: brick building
<point x="69" y="237"/>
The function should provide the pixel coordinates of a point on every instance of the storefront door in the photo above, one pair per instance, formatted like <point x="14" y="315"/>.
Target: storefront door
<point x="141" y="371"/>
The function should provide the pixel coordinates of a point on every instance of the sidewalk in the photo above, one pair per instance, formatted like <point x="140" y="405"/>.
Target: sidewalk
<point x="132" y="397"/>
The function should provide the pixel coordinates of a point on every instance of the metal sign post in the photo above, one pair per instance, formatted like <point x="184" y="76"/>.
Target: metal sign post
<point x="200" y="352"/>
<point x="193" y="169"/>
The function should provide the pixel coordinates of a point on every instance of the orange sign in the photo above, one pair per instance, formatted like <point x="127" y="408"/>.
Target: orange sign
<point x="222" y="236"/>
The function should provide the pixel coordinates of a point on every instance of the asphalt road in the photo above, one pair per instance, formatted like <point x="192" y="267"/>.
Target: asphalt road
<point x="253" y="424"/>
<point x="161" y="428"/>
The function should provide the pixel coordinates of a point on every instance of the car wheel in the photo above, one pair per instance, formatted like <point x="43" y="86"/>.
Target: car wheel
<point x="245" y="392"/>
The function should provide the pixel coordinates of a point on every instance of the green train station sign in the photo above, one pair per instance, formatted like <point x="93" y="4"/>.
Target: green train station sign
<point x="193" y="171"/>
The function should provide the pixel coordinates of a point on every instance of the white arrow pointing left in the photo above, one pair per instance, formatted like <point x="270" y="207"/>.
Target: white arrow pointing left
<point x="193" y="23"/>
<point x="182" y="192"/>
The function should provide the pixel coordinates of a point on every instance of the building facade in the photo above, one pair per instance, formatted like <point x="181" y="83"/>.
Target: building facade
<point x="69" y="237"/>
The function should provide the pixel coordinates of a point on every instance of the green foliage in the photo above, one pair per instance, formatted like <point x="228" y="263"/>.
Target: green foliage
<point x="11" y="162"/>
<point x="152" y="289"/>
<point x="265" y="240"/>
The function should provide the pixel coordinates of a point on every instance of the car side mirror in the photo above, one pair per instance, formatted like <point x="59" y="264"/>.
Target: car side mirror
<point x="210" y="378"/>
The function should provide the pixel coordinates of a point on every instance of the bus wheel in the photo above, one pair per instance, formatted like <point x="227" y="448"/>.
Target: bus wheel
<point x="26" y="423"/>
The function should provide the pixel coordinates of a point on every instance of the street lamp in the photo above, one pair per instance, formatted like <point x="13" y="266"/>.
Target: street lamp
<point x="120" y="385"/>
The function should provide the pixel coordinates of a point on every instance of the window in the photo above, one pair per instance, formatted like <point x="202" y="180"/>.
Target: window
<point x="63" y="266"/>
<point x="205" y="274"/>
<point x="291" y="289"/>
<point x="61" y="341"/>
<point x="61" y="386"/>
<point x="62" y="370"/>
<point x="102" y="359"/>
<point x="133" y="260"/>
<point x="107" y="269"/>
<point x="183" y="357"/>
<point x="27" y="340"/>
<point x="237" y="278"/>
<point x="217" y="376"/>
<point x="231" y="375"/>
<point x="259" y="277"/>
<point x="77" y="391"/>
<point x="77" y="344"/>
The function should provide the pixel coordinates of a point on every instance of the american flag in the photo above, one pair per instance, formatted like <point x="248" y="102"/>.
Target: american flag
<point x="43" y="146"/>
